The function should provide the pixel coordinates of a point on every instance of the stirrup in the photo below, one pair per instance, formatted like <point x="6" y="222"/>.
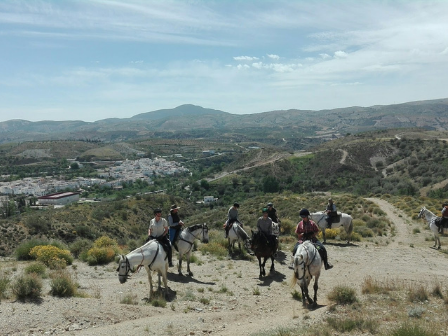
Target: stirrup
<point x="328" y="266"/>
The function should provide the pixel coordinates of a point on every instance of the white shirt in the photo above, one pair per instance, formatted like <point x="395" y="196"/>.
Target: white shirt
<point x="158" y="227"/>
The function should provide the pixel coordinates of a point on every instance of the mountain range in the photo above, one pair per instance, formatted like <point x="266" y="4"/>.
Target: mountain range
<point x="195" y="121"/>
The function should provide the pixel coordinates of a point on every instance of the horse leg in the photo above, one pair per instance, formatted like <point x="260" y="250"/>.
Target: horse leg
<point x="259" y="265"/>
<point x="272" y="270"/>
<point x="316" y="287"/>
<point x="150" y="281"/>
<point x="179" y="268"/>
<point x="323" y="235"/>
<point x="264" y="264"/>
<point x="190" y="273"/>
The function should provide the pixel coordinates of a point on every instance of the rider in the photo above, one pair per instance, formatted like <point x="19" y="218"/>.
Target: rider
<point x="264" y="225"/>
<point x="272" y="212"/>
<point x="444" y="220"/>
<point x="232" y="217"/>
<point x="306" y="230"/>
<point x="158" y="229"/>
<point x="174" y="223"/>
<point x="331" y="212"/>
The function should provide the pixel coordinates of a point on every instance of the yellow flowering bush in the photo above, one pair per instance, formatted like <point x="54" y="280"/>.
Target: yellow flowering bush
<point x="52" y="256"/>
<point x="105" y="241"/>
<point x="100" y="255"/>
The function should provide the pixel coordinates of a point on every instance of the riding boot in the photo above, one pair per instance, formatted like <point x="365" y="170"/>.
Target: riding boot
<point x="170" y="258"/>
<point x="325" y="259"/>
<point x="227" y="231"/>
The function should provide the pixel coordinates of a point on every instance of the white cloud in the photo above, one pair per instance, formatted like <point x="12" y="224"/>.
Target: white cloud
<point x="245" y="58"/>
<point x="340" y="54"/>
<point x="274" y="57"/>
<point x="324" y="56"/>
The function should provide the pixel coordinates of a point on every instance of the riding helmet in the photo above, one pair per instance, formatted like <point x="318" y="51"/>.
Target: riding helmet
<point x="157" y="210"/>
<point x="264" y="210"/>
<point x="236" y="205"/>
<point x="304" y="212"/>
<point x="269" y="204"/>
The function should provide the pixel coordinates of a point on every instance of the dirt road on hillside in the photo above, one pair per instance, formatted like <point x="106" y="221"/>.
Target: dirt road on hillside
<point x="225" y="297"/>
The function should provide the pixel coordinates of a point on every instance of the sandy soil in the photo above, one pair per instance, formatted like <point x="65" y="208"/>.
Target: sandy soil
<point x="239" y="310"/>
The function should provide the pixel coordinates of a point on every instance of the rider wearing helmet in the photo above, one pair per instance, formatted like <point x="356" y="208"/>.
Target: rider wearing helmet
<point x="306" y="230"/>
<point x="264" y="226"/>
<point x="232" y="216"/>
<point x="272" y="212"/>
<point x="331" y="212"/>
<point x="158" y="229"/>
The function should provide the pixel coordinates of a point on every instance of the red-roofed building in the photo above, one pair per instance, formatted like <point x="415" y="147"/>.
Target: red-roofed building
<point x="61" y="198"/>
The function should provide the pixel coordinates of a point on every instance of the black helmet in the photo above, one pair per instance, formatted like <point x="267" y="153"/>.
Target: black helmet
<point x="236" y="205"/>
<point x="157" y="210"/>
<point x="304" y="212"/>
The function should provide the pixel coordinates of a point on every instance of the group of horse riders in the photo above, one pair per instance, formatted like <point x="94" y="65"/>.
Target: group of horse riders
<point x="306" y="229"/>
<point x="166" y="232"/>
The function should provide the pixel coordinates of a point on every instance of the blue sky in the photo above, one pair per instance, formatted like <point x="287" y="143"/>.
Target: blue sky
<point x="96" y="59"/>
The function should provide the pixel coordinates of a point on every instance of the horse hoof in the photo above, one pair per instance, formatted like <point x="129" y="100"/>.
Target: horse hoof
<point x="438" y="248"/>
<point x="190" y="273"/>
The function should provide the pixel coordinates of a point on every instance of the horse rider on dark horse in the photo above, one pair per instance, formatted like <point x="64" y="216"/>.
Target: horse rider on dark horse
<point x="306" y="230"/>
<point x="264" y="226"/>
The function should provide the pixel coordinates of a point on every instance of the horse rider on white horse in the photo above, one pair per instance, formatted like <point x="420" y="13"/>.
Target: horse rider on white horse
<point x="306" y="230"/>
<point x="444" y="221"/>
<point x="264" y="225"/>
<point x="158" y="229"/>
<point x="174" y="223"/>
<point x="331" y="213"/>
<point x="232" y="216"/>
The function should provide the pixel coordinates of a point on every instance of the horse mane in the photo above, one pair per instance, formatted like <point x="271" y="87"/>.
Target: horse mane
<point x="194" y="227"/>
<point x="241" y="233"/>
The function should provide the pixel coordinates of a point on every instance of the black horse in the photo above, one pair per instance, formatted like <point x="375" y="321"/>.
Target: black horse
<point x="264" y="246"/>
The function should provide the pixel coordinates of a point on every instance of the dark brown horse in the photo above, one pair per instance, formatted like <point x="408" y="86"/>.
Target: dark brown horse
<point x="265" y="247"/>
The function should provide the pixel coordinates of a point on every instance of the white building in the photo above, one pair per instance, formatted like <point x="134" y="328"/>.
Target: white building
<point x="59" y="198"/>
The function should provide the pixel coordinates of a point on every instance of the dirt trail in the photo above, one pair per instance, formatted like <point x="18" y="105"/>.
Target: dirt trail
<point x="238" y="301"/>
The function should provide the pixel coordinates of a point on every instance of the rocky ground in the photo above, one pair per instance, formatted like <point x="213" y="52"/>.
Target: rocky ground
<point x="224" y="297"/>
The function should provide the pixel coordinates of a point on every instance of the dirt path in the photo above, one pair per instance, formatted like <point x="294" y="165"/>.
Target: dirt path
<point x="225" y="296"/>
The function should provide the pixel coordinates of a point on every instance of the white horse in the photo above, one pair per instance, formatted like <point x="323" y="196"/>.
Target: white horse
<point x="237" y="234"/>
<point x="307" y="263"/>
<point x="344" y="220"/>
<point x="431" y="219"/>
<point x="184" y="243"/>
<point x="152" y="256"/>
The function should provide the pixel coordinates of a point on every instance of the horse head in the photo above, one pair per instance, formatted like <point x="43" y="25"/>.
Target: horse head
<point x="123" y="269"/>
<point x="204" y="233"/>
<point x="422" y="212"/>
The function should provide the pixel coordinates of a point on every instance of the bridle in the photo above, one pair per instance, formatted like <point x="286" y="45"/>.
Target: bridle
<point x="139" y="266"/>
<point x="308" y="264"/>
<point x="204" y="230"/>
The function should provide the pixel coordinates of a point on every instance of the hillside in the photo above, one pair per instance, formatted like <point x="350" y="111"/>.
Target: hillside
<point x="292" y="129"/>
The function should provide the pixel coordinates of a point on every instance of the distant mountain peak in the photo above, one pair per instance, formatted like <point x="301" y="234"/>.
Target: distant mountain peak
<point x="181" y="110"/>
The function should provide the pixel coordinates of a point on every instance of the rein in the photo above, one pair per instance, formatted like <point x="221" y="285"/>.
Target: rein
<point x="128" y="265"/>
<point x="194" y="237"/>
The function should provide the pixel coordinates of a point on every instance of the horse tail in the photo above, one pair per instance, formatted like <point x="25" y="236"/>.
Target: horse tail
<point x="350" y="227"/>
<point x="295" y="276"/>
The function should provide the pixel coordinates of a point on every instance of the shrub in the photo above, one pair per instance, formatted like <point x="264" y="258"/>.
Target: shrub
<point x="4" y="285"/>
<point x="37" y="268"/>
<point x="343" y="295"/>
<point x="130" y="299"/>
<point x="27" y="286"/>
<point x="52" y="256"/>
<point x="417" y="293"/>
<point x="287" y="226"/>
<point x="23" y="250"/>
<point x="79" y="246"/>
<point x="412" y="330"/>
<point x="100" y="256"/>
<point x="214" y="248"/>
<point x="62" y="285"/>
